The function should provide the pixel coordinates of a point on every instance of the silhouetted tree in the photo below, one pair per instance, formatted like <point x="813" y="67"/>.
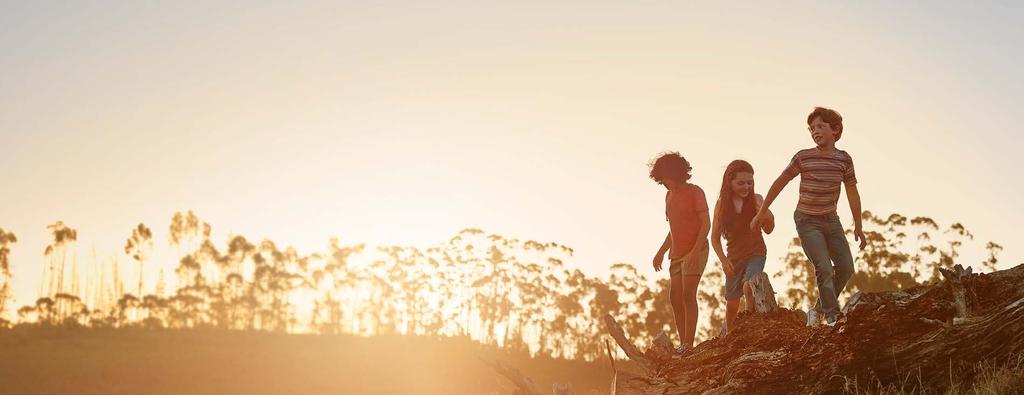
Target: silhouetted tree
<point x="62" y="235"/>
<point x="138" y="246"/>
<point x="490" y="288"/>
<point x="6" y="239"/>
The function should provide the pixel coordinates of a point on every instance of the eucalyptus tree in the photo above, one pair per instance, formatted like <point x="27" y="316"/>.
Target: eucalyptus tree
<point x="138" y="246"/>
<point x="62" y="235"/>
<point x="6" y="239"/>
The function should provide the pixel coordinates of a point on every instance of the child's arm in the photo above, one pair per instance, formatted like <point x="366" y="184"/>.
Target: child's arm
<point x="716" y="239"/>
<point x="773" y="192"/>
<point x="705" y="228"/>
<point x="769" y="224"/>
<point x="705" y="219"/>
<point x="660" y="257"/>
<point x="854" y="197"/>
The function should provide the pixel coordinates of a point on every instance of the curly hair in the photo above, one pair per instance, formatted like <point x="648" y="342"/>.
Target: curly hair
<point x="829" y="116"/>
<point x="669" y="165"/>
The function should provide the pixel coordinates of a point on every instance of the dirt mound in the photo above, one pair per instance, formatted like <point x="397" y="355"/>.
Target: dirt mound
<point x="925" y="337"/>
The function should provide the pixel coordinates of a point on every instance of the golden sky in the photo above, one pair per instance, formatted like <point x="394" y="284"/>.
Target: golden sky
<point x="404" y="122"/>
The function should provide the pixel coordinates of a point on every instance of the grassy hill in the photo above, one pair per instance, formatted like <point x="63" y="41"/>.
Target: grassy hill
<point x="126" y="361"/>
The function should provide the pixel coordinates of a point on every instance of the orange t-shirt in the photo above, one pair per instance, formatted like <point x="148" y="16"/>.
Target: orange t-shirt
<point x="686" y="203"/>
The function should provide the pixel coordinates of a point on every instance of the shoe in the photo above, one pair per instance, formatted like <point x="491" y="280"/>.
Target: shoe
<point x="680" y="351"/>
<point x="812" y="317"/>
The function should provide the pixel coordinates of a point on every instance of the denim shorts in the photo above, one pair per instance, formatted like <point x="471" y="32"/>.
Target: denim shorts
<point x="734" y="284"/>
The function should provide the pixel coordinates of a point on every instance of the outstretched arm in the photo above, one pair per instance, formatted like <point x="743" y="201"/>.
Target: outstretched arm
<point x="773" y="192"/>
<point x="769" y="224"/>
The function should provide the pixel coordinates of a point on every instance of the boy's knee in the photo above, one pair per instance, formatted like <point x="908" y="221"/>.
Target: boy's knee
<point x="823" y="271"/>
<point x="818" y="257"/>
<point x="843" y="268"/>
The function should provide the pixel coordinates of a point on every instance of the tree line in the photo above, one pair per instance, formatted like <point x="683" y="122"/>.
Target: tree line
<point x="508" y="292"/>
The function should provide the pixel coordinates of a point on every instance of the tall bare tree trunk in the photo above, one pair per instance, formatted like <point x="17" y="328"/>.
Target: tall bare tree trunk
<point x="74" y="275"/>
<point x="141" y="265"/>
<point x="44" y="278"/>
<point x="60" y="276"/>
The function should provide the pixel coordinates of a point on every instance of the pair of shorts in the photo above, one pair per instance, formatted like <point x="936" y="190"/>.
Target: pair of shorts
<point x="734" y="284"/>
<point x="691" y="264"/>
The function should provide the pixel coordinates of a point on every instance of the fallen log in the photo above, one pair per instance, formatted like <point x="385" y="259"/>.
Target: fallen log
<point x="651" y="360"/>
<point x="932" y="333"/>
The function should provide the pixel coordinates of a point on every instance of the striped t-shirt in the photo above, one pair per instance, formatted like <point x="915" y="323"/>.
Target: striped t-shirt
<point x="820" y="176"/>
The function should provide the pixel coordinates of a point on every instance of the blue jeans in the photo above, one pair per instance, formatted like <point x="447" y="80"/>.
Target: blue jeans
<point x="824" y="243"/>
<point x="734" y="284"/>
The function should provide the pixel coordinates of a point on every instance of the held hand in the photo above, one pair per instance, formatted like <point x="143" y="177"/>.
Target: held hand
<point x="758" y="221"/>
<point x="728" y="267"/>
<point x="858" y="234"/>
<point x="658" y="259"/>
<point x="768" y="224"/>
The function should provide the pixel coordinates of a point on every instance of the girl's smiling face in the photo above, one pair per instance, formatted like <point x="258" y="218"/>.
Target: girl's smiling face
<point x="742" y="184"/>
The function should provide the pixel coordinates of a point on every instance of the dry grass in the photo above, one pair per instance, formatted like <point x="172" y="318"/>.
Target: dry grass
<point x="989" y="378"/>
<point x="127" y="361"/>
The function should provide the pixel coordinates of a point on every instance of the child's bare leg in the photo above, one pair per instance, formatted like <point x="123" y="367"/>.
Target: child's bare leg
<point x="732" y="307"/>
<point x="690" y="283"/>
<point x="678" y="307"/>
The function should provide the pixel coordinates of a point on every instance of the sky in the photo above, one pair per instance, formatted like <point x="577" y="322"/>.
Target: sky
<point x="400" y="123"/>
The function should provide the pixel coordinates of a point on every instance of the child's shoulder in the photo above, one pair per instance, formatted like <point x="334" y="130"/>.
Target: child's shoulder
<point x="812" y="152"/>
<point x="686" y="192"/>
<point x="694" y="193"/>
<point x="806" y="152"/>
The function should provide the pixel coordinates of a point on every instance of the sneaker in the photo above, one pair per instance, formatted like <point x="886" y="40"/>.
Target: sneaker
<point x="812" y="317"/>
<point x="680" y="351"/>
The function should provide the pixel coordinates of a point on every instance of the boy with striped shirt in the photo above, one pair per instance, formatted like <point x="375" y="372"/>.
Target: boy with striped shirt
<point x="822" y="169"/>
